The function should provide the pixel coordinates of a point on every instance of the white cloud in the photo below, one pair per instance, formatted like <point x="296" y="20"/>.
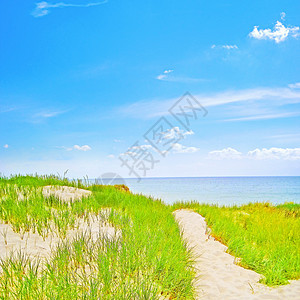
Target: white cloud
<point x="190" y="132"/>
<point x="143" y="147"/>
<point x="228" y="47"/>
<point x="161" y="77"/>
<point x="278" y="34"/>
<point x="175" y="133"/>
<point x="179" y="148"/>
<point x="259" y="154"/>
<point x="275" y="153"/>
<point x="294" y="85"/>
<point x="82" y="148"/>
<point x="110" y="156"/>
<point x="5" y="146"/>
<point x="176" y="147"/>
<point x="282" y="16"/>
<point x="76" y="147"/>
<point x="117" y="141"/>
<point x="227" y="153"/>
<point x="43" y="8"/>
<point x="171" y="78"/>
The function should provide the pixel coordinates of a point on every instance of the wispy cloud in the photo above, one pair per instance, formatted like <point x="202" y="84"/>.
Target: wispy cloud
<point x="279" y="33"/>
<point x="44" y="115"/>
<point x="5" y="109"/>
<point x="168" y="75"/>
<point x="291" y="137"/>
<point x="265" y="117"/>
<point x="43" y="8"/>
<point x="228" y="47"/>
<point x="294" y="85"/>
<point x="164" y="76"/>
<point x="5" y="146"/>
<point x="271" y="97"/>
<point x="49" y="114"/>
<point x="259" y="154"/>
<point x="76" y="147"/>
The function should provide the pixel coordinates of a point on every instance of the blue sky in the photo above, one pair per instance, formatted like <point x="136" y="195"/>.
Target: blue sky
<point x="82" y="81"/>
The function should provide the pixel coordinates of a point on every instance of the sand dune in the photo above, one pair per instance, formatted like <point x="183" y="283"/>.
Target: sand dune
<point x="35" y="246"/>
<point x="218" y="277"/>
<point x="65" y="193"/>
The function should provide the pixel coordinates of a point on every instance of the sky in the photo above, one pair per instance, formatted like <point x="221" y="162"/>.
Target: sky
<point x="83" y="85"/>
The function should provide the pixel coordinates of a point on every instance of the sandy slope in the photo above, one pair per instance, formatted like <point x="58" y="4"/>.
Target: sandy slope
<point x="65" y="193"/>
<point x="217" y="275"/>
<point x="33" y="245"/>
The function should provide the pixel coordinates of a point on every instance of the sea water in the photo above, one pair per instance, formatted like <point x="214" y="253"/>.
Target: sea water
<point x="220" y="190"/>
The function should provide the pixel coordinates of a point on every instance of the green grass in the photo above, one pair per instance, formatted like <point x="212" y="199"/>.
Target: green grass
<point x="148" y="259"/>
<point x="265" y="236"/>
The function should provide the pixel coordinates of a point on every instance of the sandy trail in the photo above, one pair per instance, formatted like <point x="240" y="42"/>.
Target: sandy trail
<point x="217" y="277"/>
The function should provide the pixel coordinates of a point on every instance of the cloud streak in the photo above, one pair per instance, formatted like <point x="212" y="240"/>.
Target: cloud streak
<point x="228" y="47"/>
<point x="43" y="8"/>
<point x="167" y="76"/>
<point x="265" y="117"/>
<point x="49" y="114"/>
<point x="271" y="97"/>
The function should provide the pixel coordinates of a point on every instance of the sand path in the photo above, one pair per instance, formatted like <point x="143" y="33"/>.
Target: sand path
<point x="217" y="277"/>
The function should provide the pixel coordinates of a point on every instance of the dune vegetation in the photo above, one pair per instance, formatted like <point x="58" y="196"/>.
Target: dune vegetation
<point x="147" y="260"/>
<point x="144" y="258"/>
<point x="265" y="237"/>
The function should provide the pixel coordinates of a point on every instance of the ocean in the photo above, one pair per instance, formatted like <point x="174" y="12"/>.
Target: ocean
<point x="219" y="190"/>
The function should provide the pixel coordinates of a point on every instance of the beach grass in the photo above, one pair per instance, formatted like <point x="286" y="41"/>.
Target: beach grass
<point x="266" y="237"/>
<point x="147" y="260"/>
